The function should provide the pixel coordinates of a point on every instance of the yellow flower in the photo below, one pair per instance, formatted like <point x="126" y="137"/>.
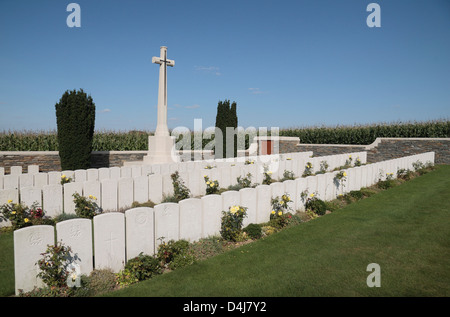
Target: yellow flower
<point x="349" y="156"/>
<point x="269" y="172"/>
<point x="204" y="176"/>
<point x="26" y="220"/>
<point x="312" y="195"/>
<point x="211" y="185"/>
<point x="273" y="212"/>
<point x="90" y="196"/>
<point x="288" y="159"/>
<point x="345" y="174"/>
<point x="63" y="176"/>
<point x="9" y="201"/>
<point x="207" y="183"/>
<point x="95" y="198"/>
<point x="280" y="213"/>
<point x="13" y="213"/>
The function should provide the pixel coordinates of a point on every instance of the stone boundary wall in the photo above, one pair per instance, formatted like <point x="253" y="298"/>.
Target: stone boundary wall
<point x="386" y="148"/>
<point x="119" y="237"/>
<point x="380" y="150"/>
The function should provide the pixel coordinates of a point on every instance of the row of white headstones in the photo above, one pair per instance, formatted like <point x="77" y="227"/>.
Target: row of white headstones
<point x="111" y="238"/>
<point x="116" y="188"/>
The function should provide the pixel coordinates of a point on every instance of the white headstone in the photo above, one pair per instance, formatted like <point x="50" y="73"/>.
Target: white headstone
<point x="167" y="223"/>
<point x="69" y="190"/>
<point x="30" y="196"/>
<point x="29" y="243"/>
<point x="248" y="199"/>
<point x="54" y="178"/>
<point x="92" y="174"/>
<point x="277" y="189"/>
<point x="290" y="188"/>
<point x="9" y="194"/>
<point x="125" y="172"/>
<point x="167" y="188"/>
<point x="92" y="188"/>
<point x="114" y="172"/>
<point x="109" y="195"/>
<point x="125" y="192"/>
<point x="301" y="186"/>
<point x="212" y="214"/>
<point x="109" y="241"/>
<point x="16" y="170"/>
<point x="155" y="188"/>
<point x="140" y="235"/>
<point x="26" y="180"/>
<point x="140" y="189"/>
<point x="77" y="234"/>
<point x="103" y="173"/>
<point x="230" y="198"/>
<point x="190" y="219"/>
<point x="263" y="201"/>
<point x="11" y="181"/>
<point x="52" y="200"/>
<point x="33" y="169"/>
<point x="40" y="180"/>
<point x="321" y="186"/>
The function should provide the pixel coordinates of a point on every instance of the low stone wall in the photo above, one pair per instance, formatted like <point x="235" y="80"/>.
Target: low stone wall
<point x="380" y="150"/>
<point x="386" y="148"/>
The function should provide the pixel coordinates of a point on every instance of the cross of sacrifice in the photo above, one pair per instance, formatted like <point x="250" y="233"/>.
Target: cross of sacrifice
<point x="161" y="126"/>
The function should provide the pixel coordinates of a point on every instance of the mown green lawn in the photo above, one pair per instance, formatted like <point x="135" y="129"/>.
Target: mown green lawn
<point x="404" y="229"/>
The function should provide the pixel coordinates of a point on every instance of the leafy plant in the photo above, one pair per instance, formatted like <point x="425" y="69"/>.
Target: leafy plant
<point x="280" y="215"/>
<point x="53" y="265"/>
<point x="20" y="215"/>
<point x="179" y="188"/>
<point x="245" y="182"/>
<point x="75" y="118"/>
<point x="231" y="223"/>
<point x="212" y="187"/>
<point x="86" y="207"/>
<point x="267" y="180"/>
<point x="65" y="179"/>
<point x="316" y="205"/>
<point x="288" y="175"/>
<point x="139" y="268"/>
<point x="323" y="166"/>
<point x="308" y="170"/>
<point x="175" y="254"/>
<point x="253" y="230"/>
<point x="340" y="178"/>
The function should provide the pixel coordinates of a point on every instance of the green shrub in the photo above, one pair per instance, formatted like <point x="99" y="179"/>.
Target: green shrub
<point x="357" y="194"/>
<point x="75" y="119"/>
<point x="231" y="223"/>
<point x="101" y="281"/>
<point x="253" y="230"/>
<point x="86" y="207"/>
<point x="175" y="254"/>
<point x="316" y="205"/>
<point x="179" y="188"/>
<point x="139" y="268"/>
<point x="53" y="265"/>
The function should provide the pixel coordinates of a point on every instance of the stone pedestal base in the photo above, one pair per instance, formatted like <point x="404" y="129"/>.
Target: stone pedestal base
<point x="161" y="149"/>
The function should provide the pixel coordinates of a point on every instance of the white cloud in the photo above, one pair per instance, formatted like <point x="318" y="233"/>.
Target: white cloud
<point x="193" y="106"/>
<point x="209" y="69"/>
<point x="256" y="91"/>
<point x="106" y="110"/>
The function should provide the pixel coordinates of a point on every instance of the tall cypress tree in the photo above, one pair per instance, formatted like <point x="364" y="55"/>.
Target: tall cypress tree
<point x="226" y="117"/>
<point x="75" y="118"/>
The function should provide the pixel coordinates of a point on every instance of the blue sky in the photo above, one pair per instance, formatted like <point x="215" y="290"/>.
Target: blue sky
<point x="286" y="63"/>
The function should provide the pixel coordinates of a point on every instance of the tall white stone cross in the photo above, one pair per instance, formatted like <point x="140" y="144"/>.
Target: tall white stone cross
<point x="161" y="125"/>
<point x="161" y="146"/>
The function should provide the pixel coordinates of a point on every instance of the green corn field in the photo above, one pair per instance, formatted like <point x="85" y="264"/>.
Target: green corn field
<point x="138" y="140"/>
